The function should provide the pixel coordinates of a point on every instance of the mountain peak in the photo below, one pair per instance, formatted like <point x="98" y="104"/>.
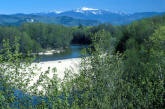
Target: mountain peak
<point x="84" y="9"/>
<point x="55" y="11"/>
<point x="88" y="9"/>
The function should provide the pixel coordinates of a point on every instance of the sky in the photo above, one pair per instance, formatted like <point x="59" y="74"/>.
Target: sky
<point x="35" y="6"/>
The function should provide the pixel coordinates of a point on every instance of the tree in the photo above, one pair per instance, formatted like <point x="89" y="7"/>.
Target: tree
<point x="144" y="72"/>
<point x="13" y="66"/>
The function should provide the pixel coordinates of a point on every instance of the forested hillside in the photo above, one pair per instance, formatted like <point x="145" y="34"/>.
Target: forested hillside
<point x="125" y="68"/>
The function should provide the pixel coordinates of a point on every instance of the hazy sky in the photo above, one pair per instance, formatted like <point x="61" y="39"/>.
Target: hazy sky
<point x="33" y="6"/>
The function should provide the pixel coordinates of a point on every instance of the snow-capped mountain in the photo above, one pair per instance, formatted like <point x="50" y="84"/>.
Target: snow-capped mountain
<point x="94" y="14"/>
<point x="88" y="10"/>
<point x="106" y="16"/>
<point x="85" y="16"/>
<point x="83" y="9"/>
<point x="95" y="11"/>
<point x="100" y="15"/>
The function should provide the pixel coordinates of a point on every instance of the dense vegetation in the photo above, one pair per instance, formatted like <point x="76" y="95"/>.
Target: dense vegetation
<point x="126" y="69"/>
<point x="36" y="36"/>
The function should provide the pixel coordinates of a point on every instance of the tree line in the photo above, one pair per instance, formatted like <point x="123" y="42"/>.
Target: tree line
<point x="35" y="37"/>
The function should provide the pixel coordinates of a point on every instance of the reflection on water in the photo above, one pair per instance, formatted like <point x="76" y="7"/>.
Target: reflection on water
<point x="73" y="52"/>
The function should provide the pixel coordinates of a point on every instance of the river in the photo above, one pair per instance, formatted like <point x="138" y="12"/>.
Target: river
<point x="74" y="51"/>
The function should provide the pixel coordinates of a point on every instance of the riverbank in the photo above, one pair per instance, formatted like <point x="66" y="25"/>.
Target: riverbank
<point x="51" y="51"/>
<point x="74" y="51"/>
<point x="61" y="66"/>
<point x="72" y="64"/>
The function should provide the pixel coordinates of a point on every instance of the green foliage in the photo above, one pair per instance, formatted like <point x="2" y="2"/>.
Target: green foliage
<point x="96" y="85"/>
<point x="52" y="36"/>
<point x="36" y="36"/>
<point x="139" y="30"/>
<point x="144" y="72"/>
<point x="134" y="78"/>
<point x="81" y="36"/>
<point x="10" y="60"/>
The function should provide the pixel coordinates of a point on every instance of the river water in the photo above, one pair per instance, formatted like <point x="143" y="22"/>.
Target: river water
<point x="74" y="51"/>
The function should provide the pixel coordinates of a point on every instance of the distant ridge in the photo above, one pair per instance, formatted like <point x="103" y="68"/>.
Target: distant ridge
<point x="85" y="16"/>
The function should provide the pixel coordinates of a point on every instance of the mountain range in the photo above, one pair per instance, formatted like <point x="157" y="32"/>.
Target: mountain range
<point x="84" y="16"/>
